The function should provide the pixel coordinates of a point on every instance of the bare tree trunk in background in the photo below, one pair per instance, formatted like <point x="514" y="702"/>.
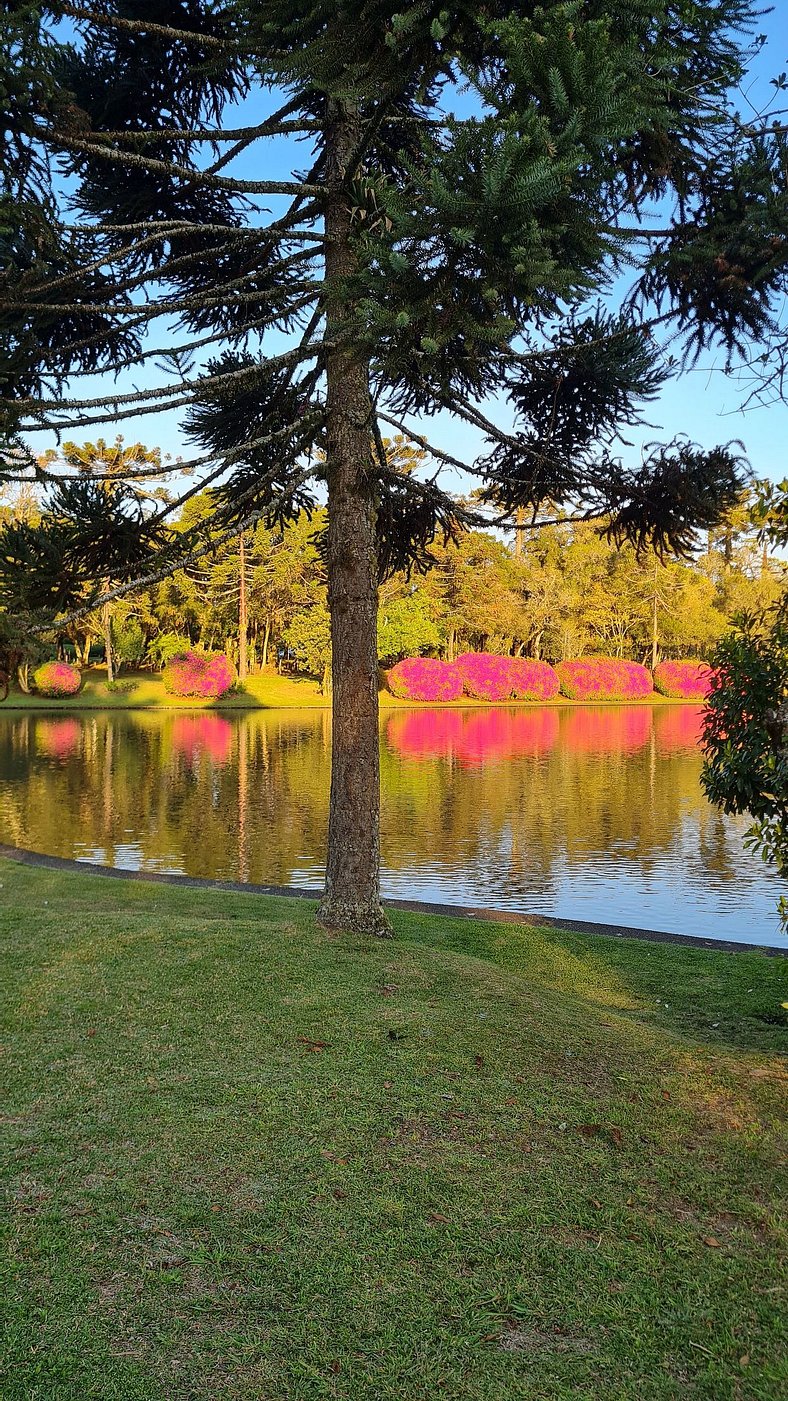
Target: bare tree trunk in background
<point x="519" y="532"/>
<point x="106" y="626"/>
<point x="266" y="639"/>
<point x="352" y="892"/>
<point x="243" y="621"/>
<point x="655" y="622"/>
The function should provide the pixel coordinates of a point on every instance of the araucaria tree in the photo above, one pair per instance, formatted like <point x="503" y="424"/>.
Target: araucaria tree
<point x="428" y="205"/>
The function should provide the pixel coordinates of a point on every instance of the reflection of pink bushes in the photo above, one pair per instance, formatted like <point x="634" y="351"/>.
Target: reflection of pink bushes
<point x="503" y="734"/>
<point x="193" y="735"/>
<point x="533" y="680"/>
<point x="604" y="678"/>
<point x="618" y="731"/>
<point x="421" y="733"/>
<point x="425" y="679"/>
<point x="58" y="738"/>
<point x="473" y="738"/>
<point x="678" y="727"/>
<point x="57" y="679"/>
<point x="207" y="674"/>
<point x="683" y="680"/>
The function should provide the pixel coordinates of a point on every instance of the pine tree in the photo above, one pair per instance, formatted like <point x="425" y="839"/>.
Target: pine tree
<point x="466" y="180"/>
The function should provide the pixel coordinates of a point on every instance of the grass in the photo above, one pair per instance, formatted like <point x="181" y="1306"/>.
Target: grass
<point x="246" y="1161"/>
<point x="267" y="690"/>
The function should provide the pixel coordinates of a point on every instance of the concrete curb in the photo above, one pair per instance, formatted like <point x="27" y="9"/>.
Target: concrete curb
<point x="574" y="926"/>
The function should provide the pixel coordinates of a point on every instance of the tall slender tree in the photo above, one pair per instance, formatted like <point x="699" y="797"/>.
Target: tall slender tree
<point x="427" y="206"/>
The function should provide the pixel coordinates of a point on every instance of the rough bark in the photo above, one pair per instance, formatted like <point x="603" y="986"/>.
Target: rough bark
<point x="352" y="892"/>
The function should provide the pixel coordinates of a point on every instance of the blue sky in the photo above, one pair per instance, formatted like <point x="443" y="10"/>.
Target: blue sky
<point x="704" y="403"/>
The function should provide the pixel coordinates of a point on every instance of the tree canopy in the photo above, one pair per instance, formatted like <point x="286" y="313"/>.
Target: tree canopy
<point x="430" y="207"/>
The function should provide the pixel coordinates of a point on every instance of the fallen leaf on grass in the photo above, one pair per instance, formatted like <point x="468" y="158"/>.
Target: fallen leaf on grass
<point x="312" y="1045"/>
<point x="478" y="1062"/>
<point x="602" y="1131"/>
<point x="712" y="1242"/>
<point x="438" y="1217"/>
<point x="744" y="1360"/>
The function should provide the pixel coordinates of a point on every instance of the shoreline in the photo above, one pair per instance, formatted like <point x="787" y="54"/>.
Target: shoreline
<point x="270" y="691"/>
<point x="40" y="860"/>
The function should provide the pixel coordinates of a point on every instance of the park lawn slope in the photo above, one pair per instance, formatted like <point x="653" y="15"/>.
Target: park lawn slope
<point x="144" y="690"/>
<point x="247" y="1161"/>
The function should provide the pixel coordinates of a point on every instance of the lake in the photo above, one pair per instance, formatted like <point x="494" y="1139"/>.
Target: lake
<point x="583" y="812"/>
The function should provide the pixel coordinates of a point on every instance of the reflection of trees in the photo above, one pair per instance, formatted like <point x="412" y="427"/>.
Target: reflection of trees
<point x="510" y="793"/>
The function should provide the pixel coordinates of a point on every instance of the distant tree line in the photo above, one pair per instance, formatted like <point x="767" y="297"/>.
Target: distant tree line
<point x="562" y="592"/>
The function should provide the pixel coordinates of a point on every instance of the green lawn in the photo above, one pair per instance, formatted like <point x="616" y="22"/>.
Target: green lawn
<point x="145" y="690"/>
<point x="247" y="1161"/>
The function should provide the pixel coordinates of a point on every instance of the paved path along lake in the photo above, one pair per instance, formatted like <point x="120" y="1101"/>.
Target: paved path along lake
<point x="579" y="812"/>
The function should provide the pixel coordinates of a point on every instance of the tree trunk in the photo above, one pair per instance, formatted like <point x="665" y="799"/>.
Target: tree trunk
<point x="519" y="532"/>
<point x="352" y="893"/>
<point x="266" y="640"/>
<point x="655" y="622"/>
<point x="106" y="624"/>
<point x="243" y="621"/>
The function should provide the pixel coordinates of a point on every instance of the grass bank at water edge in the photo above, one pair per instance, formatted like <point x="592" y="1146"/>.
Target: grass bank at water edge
<point x="144" y="690"/>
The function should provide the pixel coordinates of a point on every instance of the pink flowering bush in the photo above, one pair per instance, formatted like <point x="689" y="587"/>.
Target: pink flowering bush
<point x="207" y="674"/>
<point x="683" y="680"/>
<point x="425" y="679"/>
<point x="533" y="680"/>
<point x="604" y="678"/>
<point x="485" y="676"/>
<point x="57" y="679"/>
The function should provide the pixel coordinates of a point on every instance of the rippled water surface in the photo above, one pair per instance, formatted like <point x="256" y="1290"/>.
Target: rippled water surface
<point x="583" y="812"/>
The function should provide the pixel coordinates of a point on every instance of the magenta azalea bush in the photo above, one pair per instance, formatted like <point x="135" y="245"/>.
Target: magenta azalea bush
<point x="425" y="679"/>
<point x="57" y="679"/>
<point x="683" y="680"/>
<point x="485" y="676"/>
<point x="604" y="678"/>
<point x="533" y="680"/>
<point x="207" y="674"/>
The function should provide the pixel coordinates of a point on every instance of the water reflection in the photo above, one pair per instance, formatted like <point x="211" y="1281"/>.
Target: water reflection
<point x="587" y="811"/>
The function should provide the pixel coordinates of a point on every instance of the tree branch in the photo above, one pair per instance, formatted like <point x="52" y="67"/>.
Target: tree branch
<point x="188" y="173"/>
<point x="169" y="391"/>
